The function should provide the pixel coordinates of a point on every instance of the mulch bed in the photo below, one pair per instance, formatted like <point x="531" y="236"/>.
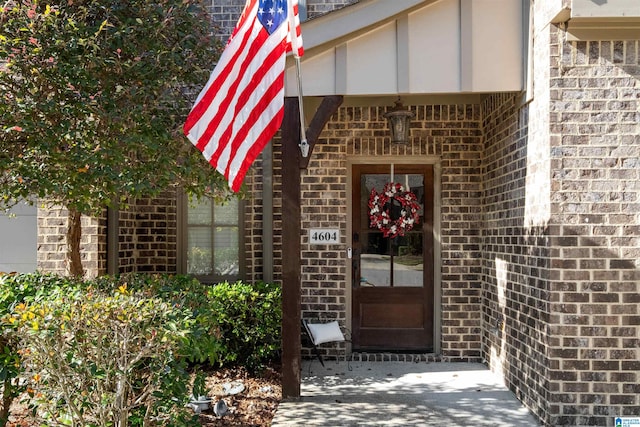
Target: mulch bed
<point x="255" y="406"/>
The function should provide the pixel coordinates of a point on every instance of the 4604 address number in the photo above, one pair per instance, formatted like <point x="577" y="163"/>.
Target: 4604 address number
<point x="324" y="236"/>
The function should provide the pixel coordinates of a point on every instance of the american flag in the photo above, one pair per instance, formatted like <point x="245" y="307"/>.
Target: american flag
<point x="242" y="105"/>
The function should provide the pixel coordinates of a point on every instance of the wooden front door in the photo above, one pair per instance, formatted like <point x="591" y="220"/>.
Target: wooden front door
<point x="392" y="278"/>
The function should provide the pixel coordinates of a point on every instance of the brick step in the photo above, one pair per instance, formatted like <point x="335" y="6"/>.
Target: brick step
<point x="406" y="357"/>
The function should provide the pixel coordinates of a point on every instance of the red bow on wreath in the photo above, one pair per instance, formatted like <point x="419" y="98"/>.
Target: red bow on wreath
<point x="381" y="207"/>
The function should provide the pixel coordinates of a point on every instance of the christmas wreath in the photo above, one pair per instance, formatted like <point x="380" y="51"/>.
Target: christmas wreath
<point x="394" y="211"/>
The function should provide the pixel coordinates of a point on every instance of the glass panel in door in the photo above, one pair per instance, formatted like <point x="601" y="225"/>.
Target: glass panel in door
<point x="396" y="261"/>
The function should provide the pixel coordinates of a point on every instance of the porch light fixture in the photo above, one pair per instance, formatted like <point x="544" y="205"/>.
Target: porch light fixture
<point x="399" y="120"/>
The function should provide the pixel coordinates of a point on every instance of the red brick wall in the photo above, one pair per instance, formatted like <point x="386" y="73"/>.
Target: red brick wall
<point x="515" y="304"/>
<point x="254" y="225"/>
<point x="451" y="133"/>
<point x="52" y="242"/>
<point x="562" y="235"/>
<point x="147" y="235"/>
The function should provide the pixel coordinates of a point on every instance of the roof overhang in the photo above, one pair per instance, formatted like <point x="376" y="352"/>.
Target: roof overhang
<point x="413" y="48"/>
<point x="599" y="19"/>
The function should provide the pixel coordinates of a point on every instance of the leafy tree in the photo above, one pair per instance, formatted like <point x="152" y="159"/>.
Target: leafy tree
<point x="92" y="98"/>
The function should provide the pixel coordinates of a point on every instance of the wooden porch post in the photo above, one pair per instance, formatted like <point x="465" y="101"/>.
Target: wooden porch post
<point x="291" y="228"/>
<point x="292" y="162"/>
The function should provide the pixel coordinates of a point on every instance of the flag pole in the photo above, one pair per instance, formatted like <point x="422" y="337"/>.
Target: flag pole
<point x="304" y="145"/>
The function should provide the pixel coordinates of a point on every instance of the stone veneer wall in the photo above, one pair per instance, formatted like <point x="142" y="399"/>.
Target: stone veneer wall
<point x="594" y="231"/>
<point x="450" y="132"/>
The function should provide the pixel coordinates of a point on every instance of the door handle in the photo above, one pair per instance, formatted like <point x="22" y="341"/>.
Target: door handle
<point x="355" y="260"/>
<point x="355" y="268"/>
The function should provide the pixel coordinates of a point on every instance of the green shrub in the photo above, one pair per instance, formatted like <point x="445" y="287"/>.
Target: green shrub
<point x="104" y="359"/>
<point x="235" y="323"/>
<point x="248" y="319"/>
<point x="202" y="344"/>
<point x="15" y="291"/>
<point x="116" y="348"/>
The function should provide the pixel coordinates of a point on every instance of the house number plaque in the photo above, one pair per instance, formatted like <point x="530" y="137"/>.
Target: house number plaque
<point x="324" y="236"/>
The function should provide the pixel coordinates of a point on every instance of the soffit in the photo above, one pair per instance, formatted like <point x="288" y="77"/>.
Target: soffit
<point x="600" y="19"/>
<point x="413" y="48"/>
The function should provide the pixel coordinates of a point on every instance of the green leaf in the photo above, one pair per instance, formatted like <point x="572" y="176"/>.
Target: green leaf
<point x="106" y="87"/>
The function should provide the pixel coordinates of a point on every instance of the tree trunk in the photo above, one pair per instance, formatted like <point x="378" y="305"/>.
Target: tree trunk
<point x="8" y="393"/>
<point x="74" y="232"/>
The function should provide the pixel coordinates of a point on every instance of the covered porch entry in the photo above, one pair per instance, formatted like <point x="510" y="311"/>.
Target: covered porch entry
<point x="439" y="58"/>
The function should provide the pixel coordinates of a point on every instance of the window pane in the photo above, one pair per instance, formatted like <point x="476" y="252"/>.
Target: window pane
<point x="396" y="261"/>
<point x="374" y="261"/>
<point x="200" y="213"/>
<point x="226" y="214"/>
<point x="226" y="251"/>
<point x="367" y="183"/>
<point x="213" y="241"/>
<point x="199" y="260"/>
<point x="408" y="264"/>
<point x="415" y="184"/>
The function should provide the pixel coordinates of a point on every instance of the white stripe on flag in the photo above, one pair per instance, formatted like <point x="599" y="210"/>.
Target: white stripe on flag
<point x="241" y="106"/>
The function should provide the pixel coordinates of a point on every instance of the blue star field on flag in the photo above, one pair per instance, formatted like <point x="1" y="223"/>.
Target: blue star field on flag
<point x="272" y="13"/>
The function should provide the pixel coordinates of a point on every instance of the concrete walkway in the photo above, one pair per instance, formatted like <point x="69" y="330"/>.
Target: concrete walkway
<point x="402" y="394"/>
